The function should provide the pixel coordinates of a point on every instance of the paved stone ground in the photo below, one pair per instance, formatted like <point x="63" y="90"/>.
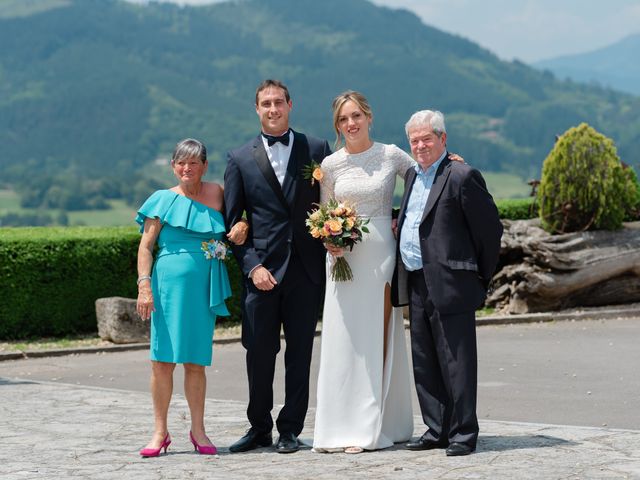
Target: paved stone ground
<point x="63" y="431"/>
<point x="54" y="431"/>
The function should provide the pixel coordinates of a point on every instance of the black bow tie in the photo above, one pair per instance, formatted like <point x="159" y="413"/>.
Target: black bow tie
<point x="283" y="139"/>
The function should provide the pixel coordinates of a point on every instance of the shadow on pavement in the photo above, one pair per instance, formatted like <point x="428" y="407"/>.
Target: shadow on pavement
<point x="488" y="443"/>
<point x="6" y="381"/>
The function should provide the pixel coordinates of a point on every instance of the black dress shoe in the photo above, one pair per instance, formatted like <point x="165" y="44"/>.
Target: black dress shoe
<point x="425" y="444"/>
<point x="251" y="440"/>
<point x="458" y="449"/>
<point x="287" y="443"/>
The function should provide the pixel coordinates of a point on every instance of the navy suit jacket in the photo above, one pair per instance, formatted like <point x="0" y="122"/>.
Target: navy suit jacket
<point x="459" y="236"/>
<point x="276" y="214"/>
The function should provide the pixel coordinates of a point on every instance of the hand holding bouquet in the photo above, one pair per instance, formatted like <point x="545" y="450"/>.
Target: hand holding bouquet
<point x="337" y="224"/>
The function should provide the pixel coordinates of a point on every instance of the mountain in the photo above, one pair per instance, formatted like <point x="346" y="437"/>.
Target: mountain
<point x="616" y="66"/>
<point x="93" y="91"/>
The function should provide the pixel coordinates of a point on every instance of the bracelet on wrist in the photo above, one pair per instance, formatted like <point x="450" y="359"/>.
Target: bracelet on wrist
<point x="142" y="278"/>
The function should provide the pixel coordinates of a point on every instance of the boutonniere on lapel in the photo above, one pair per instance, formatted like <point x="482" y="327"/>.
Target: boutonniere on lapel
<point x="312" y="172"/>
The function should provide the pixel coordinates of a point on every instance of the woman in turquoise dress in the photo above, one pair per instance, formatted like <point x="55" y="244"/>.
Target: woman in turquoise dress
<point x="185" y="289"/>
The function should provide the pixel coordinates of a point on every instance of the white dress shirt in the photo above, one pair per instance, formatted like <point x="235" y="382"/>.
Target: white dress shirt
<point x="279" y="156"/>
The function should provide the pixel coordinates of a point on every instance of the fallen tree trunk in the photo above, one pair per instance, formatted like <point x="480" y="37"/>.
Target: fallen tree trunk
<point x="540" y="272"/>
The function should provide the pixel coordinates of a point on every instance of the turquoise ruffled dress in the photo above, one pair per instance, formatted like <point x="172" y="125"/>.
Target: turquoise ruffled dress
<point x="189" y="290"/>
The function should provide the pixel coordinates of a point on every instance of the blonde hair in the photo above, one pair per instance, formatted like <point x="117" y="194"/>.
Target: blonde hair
<point x="356" y="97"/>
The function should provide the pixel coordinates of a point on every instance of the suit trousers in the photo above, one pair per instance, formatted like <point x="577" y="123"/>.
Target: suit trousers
<point x="445" y="367"/>
<point x="294" y="305"/>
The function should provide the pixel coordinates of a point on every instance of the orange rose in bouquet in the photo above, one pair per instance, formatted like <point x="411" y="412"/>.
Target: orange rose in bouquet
<point x="337" y="224"/>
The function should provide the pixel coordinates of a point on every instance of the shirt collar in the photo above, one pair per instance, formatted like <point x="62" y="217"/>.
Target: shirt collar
<point x="432" y="168"/>
<point x="265" y="142"/>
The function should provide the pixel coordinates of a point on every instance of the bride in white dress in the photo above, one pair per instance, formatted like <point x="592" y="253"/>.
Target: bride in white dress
<point x="364" y="396"/>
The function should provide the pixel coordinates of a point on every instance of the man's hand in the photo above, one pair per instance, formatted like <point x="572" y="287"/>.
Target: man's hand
<point x="456" y="158"/>
<point x="394" y="227"/>
<point x="333" y="250"/>
<point x="262" y="279"/>
<point x="238" y="233"/>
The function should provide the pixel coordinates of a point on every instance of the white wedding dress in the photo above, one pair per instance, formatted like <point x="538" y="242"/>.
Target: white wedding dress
<point x="363" y="400"/>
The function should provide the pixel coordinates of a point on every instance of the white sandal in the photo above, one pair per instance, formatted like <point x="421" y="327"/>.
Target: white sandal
<point x="353" y="450"/>
<point x="327" y="450"/>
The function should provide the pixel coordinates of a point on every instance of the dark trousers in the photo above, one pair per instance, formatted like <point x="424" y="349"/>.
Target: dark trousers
<point x="445" y="367"/>
<point x="293" y="305"/>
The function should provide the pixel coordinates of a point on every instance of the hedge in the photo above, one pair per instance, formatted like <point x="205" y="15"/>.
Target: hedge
<point x="51" y="277"/>
<point x="517" y="209"/>
<point x="527" y="208"/>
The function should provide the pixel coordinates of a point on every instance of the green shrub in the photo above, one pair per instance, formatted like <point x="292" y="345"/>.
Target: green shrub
<point x="632" y="210"/>
<point x="517" y="208"/>
<point x="584" y="185"/>
<point x="51" y="277"/>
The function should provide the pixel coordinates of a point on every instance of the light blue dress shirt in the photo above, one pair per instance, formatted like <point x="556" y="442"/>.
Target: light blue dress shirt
<point x="410" y="235"/>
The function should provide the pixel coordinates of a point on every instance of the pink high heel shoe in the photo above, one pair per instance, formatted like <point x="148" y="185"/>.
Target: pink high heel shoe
<point x="203" y="449"/>
<point x="155" y="452"/>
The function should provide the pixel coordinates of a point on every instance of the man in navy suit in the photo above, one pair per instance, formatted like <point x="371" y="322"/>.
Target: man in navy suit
<point x="283" y="265"/>
<point x="448" y="247"/>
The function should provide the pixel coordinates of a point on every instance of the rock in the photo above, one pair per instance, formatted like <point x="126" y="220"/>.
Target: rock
<point x="119" y="322"/>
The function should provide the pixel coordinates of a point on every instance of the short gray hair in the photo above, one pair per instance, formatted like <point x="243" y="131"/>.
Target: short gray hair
<point x="189" y="148"/>
<point x="427" y="118"/>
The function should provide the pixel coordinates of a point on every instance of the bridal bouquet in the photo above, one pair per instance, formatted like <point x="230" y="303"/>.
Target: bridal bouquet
<point x="337" y="224"/>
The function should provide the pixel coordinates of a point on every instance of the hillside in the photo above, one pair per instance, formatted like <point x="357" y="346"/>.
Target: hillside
<point x="93" y="91"/>
<point x="616" y="66"/>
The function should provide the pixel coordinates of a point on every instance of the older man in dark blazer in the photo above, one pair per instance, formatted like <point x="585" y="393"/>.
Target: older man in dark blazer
<point x="448" y="246"/>
<point x="283" y="265"/>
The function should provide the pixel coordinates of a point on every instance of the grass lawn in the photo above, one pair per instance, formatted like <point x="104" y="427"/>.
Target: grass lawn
<point x="223" y="330"/>
<point x="500" y="185"/>
<point x="506" y="185"/>
<point x="119" y="214"/>
<point x="9" y="202"/>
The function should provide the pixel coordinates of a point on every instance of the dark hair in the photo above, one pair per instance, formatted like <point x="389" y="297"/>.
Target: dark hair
<point x="273" y="83"/>
<point x="189" y="148"/>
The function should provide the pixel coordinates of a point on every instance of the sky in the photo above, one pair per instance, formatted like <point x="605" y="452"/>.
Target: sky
<point x="527" y="30"/>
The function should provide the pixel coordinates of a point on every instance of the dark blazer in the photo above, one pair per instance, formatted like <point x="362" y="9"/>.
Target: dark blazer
<point x="276" y="214"/>
<point x="459" y="239"/>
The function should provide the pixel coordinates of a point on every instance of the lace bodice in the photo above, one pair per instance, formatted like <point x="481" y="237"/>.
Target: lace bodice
<point x="366" y="180"/>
